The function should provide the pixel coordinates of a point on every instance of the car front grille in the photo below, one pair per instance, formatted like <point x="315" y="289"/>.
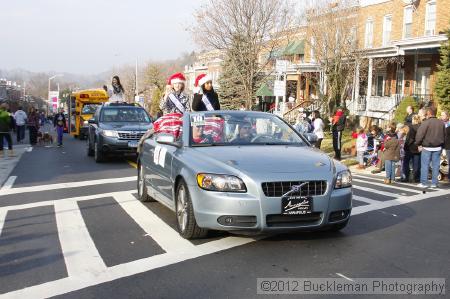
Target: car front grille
<point x="130" y="135"/>
<point x="278" y="189"/>
<point x="293" y="220"/>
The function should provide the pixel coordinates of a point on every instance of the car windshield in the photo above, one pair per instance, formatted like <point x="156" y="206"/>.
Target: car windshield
<point x="89" y="108"/>
<point x="244" y="129"/>
<point x="124" y="115"/>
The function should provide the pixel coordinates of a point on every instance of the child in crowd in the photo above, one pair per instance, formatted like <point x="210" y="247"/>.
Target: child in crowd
<point x="361" y="146"/>
<point x="391" y="154"/>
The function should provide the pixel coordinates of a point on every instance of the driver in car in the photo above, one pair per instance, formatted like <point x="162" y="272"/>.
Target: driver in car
<point x="198" y="135"/>
<point x="245" y="134"/>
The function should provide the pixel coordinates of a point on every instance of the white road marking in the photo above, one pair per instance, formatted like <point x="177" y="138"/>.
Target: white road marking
<point x="163" y="234"/>
<point x="66" y="185"/>
<point x="79" y="251"/>
<point x="366" y="200"/>
<point x="379" y="192"/>
<point x="343" y="276"/>
<point x="30" y="149"/>
<point x="2" y="219"/>
<point x="393" y="186"/>
<point x="9" y="183"/>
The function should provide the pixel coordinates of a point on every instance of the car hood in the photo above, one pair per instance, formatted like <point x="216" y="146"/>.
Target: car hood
<point x="125" y="126"/>
<point x="266" y="159"/>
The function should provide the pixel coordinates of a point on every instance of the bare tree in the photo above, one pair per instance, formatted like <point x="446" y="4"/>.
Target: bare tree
<point x="244" y="29"/>
<point x="332" y="38"/>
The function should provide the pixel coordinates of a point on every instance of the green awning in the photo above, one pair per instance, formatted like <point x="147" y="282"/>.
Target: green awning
<point x="264" y="91"/>
<point x="275" y="53"/>
<point x="295" y="47"/>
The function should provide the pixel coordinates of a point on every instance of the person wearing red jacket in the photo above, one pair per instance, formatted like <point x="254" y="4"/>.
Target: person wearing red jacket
<point x="338" y="126"/>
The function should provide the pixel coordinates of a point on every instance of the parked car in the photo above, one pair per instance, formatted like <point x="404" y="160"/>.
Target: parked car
<point x="243" y="171"/>
<point x="115" y="129"/>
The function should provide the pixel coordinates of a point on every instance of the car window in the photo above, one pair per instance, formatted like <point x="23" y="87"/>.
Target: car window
<point x="89" y="108"/>
<point x="241" y="129"/>
<point x="124" y="115"/>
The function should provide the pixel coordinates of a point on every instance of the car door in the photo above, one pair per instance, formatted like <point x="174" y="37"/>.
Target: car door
<point x="93" y="128"/>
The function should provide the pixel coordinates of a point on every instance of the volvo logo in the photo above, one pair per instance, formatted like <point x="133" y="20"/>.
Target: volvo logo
<point x="296" y="188"/>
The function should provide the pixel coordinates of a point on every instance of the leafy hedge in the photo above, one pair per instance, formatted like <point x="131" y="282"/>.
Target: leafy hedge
<point x="400" y="113"/>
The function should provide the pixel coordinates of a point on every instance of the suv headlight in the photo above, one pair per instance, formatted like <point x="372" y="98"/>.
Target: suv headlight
<point x="221" y="183"/>
<point x="85" y="123"/>
<point x="110" y="133"/>
<point x="343" y="179"/>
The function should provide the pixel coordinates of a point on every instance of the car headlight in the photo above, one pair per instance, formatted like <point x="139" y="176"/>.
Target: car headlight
<point x="343" y="179"/>
<point x="85" y="123"/>
<point x="221" y="183"/>
<point x="110" y="133"/>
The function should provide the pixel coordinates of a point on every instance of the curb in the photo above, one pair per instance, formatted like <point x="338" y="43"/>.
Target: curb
<point x="8" y="164"/>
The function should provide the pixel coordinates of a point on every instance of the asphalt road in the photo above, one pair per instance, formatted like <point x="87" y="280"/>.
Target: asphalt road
<point x="72" y="228"/>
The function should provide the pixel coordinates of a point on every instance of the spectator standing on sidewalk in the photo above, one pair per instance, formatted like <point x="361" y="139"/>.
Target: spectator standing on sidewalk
<point x="430" y="140"/>
<point x="33" y="125"/>
<point x="391" y="154"/>
<point x="5" y="127"/>
<point x="446" y="120"/>
<point x="412" y="153"/>
<point x="176" y="101"/>
<point x="21" y="119"/>
<point x="58" y="122"/>
<point x="318" y="126"/>
<point x="338" y="126"/>
<point x="408" y="118"/>
<point x="361" y="146"/>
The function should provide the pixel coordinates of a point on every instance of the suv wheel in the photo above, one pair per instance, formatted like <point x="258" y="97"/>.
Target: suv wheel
<point x="98" y="154"/>
<point x="90" y="150"/>
<point x="187" y="226"/>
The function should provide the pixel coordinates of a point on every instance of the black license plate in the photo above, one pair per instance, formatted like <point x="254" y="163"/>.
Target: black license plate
<point x="296" y="205"/>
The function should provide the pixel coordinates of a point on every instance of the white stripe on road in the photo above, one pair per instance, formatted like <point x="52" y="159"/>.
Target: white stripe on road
<point x="71" y="284"/>
<point x="398" y="201"/>
<point x="29" y="149"/>
<point x="2" y="219"/>
<point x="66" y="185"/>
<point x="79" y="251"/>
<point x="379" y="192"/>
<point x="393" y="186"/>
<point x="9" y="183"/>
<point x="163" y="234"/>
<point x="366" y="200"/>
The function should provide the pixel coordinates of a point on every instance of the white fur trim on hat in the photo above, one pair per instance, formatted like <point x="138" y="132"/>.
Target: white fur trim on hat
<point x="176" y="80"/>
<point x="204" y="80"/>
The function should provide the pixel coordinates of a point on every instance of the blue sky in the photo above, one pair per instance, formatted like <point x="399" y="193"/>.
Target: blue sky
<point x="91" y="36"/>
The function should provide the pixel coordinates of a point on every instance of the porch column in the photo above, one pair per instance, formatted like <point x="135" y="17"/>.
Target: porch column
<point x="307" y="88"/>
<point x="369" y="78"/>
<point x="356" y="89"/>
<point x="299" y="85"/>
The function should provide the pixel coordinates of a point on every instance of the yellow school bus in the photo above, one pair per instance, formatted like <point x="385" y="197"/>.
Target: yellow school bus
<point x="83" y="104"/>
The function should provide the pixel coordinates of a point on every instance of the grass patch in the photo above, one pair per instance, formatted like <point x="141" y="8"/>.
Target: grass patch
<point x="349" y="162"/>
<point x="327" y="142"/>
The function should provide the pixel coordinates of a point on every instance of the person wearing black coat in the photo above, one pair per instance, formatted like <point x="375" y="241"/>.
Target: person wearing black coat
<point x="205" y="98"/>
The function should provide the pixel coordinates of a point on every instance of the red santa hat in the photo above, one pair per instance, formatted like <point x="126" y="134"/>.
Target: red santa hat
<point x="176" y="78"/>
<point x="202" y="79"/>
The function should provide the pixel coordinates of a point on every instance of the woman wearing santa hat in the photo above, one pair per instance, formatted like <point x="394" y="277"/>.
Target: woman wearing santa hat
<point x="205" y="98"/>
<point x="176" y="101"/>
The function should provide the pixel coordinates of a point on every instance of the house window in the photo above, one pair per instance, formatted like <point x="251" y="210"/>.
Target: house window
<point x="387" y="28"/>
<point x="407" y="22"/>
<point x="380" y="85"/>
<point x="369" y="34"/>
<point x="430" y="18"/>
<point x="353" y="34"/>
<point x="400" y="78"/>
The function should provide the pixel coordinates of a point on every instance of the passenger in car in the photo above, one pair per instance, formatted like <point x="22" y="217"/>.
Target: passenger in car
<point x="245" y="134"/>
<point x="198" y="135"/>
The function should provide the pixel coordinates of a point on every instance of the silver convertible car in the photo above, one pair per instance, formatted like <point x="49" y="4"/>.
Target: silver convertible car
<point x="244" y="172"/>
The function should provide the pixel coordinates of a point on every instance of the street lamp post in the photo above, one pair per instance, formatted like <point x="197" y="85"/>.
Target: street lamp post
<point x="48" y="99"/>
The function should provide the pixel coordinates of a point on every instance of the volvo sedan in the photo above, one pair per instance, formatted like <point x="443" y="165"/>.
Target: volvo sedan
<point x="243" y="172"/>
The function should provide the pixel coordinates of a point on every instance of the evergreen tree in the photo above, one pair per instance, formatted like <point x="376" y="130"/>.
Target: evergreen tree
<point x="231" y="89"/>
<point x="400" y="112"/>
<point x="442" y="85"/>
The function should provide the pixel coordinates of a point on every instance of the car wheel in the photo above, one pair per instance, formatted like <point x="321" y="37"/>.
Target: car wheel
<point x="98" y="154"/>
<point x="337" y="227"/>
<point x="142" y="188"/>
<point x="90" y="151"/>
<point x="187" y="226"/>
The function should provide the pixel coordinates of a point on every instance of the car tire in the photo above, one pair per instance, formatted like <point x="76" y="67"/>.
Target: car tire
<point x="90" y="150"/>
<point x="338" y="226"/>
<point x="98" y="154"/>
<point x="141" y="186"/>
<point x="187" y="226"/>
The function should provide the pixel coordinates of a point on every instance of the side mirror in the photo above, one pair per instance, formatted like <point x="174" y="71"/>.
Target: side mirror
<point x="312" y="138"/>
<point x="92" y="121"/>
<point x="167" y="139"/>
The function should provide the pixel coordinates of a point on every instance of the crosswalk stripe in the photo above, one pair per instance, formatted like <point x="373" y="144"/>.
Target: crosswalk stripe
<point x="366" y="200"/>
<point x="9" y="183"/>
<point x="163" y="234"/>
<point x="66" y="185"/>
<point x="378" y="192"/>
<point x="80" y="254"/>
<point x="387" y="186"/>
<point x="2" y="219"/>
